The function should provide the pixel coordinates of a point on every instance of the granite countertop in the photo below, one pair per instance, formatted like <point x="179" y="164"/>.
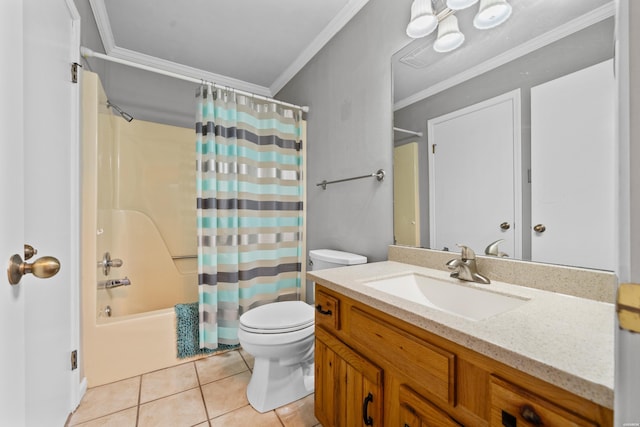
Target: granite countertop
<point x="564" y="340"/>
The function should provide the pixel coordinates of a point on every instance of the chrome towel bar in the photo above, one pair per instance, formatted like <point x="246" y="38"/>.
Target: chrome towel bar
<point x="379" y="175"/>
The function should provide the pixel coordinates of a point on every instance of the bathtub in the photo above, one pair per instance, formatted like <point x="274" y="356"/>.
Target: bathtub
<point x="128" y="330"/>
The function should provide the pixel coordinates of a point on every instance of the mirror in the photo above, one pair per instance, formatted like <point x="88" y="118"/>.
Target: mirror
<point x="540" y="43"/>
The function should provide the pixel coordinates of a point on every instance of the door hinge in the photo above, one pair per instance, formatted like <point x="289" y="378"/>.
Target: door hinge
<point x="433" y="148"/>
<point x="74" y="72"/>
<point x="74" y="360"/>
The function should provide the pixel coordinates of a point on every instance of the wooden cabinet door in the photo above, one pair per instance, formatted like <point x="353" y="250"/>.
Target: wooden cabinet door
<point x="416" y="411"/>
<point x="348" y="386"/>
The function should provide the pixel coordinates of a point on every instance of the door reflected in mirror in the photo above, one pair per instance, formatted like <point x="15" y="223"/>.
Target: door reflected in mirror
<point x="563" y="171"/>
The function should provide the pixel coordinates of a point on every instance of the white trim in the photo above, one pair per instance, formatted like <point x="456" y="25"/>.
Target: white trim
<point x="104" y="26"/>
<point x="336" y="24"/>
<point x="577" y="24"/>
<point x="76" y="384"/>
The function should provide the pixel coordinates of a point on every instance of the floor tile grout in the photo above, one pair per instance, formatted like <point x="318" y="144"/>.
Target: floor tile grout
<point x="199" y="385"/>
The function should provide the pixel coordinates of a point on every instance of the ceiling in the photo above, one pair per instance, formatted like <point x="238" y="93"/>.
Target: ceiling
<point x="259" y="45"/>
<point x="252" y="45"/>
<point x="533" y="24"/>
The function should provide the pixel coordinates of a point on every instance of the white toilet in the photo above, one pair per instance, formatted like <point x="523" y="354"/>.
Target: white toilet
<point x="280" y="336"/>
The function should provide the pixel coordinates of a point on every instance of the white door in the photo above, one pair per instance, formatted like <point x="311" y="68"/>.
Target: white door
<point x="406" y="195"/>
<point x="574" y="214"/>
<point x="12" y="301"/>
<point x="474" y="176"/>
<point x="40" y="204"/>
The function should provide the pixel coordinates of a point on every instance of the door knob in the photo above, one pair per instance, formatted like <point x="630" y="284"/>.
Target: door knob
<point x="44" y="267"/>
<point x="539" y="228"/>
<point x="505" y="226"/>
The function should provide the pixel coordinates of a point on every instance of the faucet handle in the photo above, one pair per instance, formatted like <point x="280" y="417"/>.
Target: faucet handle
<point x="466" y="252"/>
<point x="493" y="249"/>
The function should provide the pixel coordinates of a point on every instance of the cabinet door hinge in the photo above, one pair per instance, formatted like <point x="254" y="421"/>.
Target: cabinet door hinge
<point x="74" y="360"/>
<point x="74" y="72"/>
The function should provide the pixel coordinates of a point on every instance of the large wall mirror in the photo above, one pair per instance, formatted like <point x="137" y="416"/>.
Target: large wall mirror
<point x="511" y="136"/>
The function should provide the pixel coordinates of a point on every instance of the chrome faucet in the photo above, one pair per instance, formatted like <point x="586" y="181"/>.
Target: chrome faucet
<point x="493" y="250"/>
<point x="464" y="268"/>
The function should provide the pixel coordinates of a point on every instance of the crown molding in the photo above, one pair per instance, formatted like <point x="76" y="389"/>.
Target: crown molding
<point x="104" y="26"/>
<point x="575" y="25"/>
<point x="109" y="43"/>
<point x="336" y="24"/>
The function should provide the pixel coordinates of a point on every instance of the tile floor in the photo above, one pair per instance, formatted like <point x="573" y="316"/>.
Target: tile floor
<point x="206" y="392"/>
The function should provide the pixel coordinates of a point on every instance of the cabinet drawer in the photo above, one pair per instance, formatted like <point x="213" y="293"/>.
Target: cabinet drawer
<point x="327" y="310"/>
<point x="416" y="411"/>
<point x="427" y="365"/>
<point x="512" y="406"/>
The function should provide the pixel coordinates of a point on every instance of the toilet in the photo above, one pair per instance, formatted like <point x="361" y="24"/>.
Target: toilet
<point x="280" y="336"/>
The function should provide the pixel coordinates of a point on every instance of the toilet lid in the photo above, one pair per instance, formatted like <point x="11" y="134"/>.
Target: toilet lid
<point x="278" y="317"/>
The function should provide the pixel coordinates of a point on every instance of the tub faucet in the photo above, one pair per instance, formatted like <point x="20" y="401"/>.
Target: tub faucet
<point x="464" y="268"/>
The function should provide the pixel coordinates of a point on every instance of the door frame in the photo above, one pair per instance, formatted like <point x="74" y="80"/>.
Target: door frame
<point x="78" y="385"/>
<point x="515" y="98"/>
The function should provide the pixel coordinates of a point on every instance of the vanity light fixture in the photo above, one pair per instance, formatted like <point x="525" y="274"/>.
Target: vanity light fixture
<point x="449" y="35"/>
<point x="460" y="4"/>
<point x="491" y="14"/>
<point x="424" y="21"/>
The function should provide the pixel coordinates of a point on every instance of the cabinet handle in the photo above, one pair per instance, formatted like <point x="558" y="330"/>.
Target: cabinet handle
<point x="321" y="311"/>
<point x="529" y="414"/>
<point x="368" y="421"/>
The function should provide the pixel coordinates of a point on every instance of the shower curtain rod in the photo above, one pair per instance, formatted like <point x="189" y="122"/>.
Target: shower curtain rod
<point x="410" y="132"/>
<point x="88" y="53"/>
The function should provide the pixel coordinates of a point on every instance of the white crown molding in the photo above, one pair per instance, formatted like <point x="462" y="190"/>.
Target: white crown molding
<point x="336" y="24"/>
<point x="111" y="49"/>
<point x="104" y="26"/>
<point x="549" y="37"/>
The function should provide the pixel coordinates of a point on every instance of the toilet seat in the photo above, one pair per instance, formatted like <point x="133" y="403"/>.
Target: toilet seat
<point x="278" y="318"/>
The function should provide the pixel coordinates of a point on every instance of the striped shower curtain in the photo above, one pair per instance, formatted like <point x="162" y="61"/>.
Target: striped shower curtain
<point x="249" y="207"/>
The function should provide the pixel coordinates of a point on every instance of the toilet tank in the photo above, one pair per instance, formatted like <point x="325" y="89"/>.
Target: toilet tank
<point x="328" y="258"/>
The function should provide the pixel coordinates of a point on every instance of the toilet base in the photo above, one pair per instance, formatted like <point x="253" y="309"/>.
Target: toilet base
<point x="273" y="385"/>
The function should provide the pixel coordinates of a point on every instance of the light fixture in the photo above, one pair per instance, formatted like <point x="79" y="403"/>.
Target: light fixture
<point x="449" y="35"/>
<point x="460" y="4"/>
<point x="491" y="14"/>
<point x="423" y="21"/>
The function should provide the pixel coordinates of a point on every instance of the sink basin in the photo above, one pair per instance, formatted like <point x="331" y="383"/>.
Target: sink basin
<point x="464" y="301"/>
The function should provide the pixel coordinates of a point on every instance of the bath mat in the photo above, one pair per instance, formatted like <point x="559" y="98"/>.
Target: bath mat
<point x="188" y="342"/>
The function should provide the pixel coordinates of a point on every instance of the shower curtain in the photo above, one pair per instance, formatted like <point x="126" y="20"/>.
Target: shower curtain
<point x="249" y="207"/>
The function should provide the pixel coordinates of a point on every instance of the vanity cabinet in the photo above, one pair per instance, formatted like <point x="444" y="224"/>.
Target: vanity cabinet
<point x="348" y="386"/>
<point x="416" y="411"/>
<point x="376" y="369"/>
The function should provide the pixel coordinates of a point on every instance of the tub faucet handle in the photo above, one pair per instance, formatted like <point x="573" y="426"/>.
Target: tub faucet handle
<point x="107" y="263"/>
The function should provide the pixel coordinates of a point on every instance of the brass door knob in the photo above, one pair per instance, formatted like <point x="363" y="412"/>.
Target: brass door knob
<point x="539" y="228"/>
<point x="505" y="226"/>
<point x="44" y="267"/>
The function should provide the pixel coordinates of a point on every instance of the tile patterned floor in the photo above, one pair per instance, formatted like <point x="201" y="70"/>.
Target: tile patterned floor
<point x="206" y="392"/>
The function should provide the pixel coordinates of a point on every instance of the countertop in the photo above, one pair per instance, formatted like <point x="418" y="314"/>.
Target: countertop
<point x="564" y="340"/>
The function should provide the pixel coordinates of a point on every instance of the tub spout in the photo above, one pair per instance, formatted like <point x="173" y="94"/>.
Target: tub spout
<point x="114" y="283"/>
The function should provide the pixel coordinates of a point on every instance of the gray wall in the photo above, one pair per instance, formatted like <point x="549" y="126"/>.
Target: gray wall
<point x="348" y="88"/>
<point x="582" y="49"/>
